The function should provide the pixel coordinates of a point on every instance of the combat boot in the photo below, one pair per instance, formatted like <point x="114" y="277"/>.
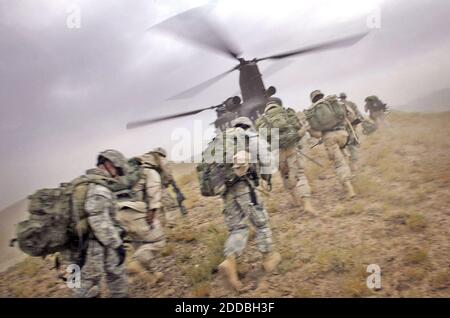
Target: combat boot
<point x="308" y="207"/>
<point x="349" y="188"/>
<point x="140" y="273"/>
<point x="229" y="268"/>
<point x="271" y="261"/>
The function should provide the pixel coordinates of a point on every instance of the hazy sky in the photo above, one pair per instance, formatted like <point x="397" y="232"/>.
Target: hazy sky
<point x="67" y="93"/>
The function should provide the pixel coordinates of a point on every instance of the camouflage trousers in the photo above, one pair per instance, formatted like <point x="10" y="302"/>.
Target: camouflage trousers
<point x="138" y="229"/>
<point x="352" y="152"/>
<point x="292" y="164"/>
<point x="334" y="142"/>
<point x="238" y="212"/>
<point x="169" y="208"/>
<point x="101" y="261"/>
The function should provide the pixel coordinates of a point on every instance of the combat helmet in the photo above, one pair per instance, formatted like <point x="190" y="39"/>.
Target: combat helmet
<point x="160" y="151"/>
<point x="342" y="96"/>
<point x="372" y="98"/>
<point x="273" y="102"/>
<point x="117" y="159"/>
<point x="316" y="95"/>
<point x="242" y="121"/>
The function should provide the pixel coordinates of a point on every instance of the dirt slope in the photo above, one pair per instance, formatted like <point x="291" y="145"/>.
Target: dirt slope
<point x="399" y="221"/>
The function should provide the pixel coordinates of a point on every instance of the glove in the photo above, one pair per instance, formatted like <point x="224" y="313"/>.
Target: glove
<point x="121" y="253"/>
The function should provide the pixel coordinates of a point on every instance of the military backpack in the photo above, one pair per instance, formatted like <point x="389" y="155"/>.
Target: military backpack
<point x="326" y="114"/>
<point x="283" y="119"/>
<point x="217" y="160"/>
<point x="57" y="216"/>
<point x="373" y="103"/>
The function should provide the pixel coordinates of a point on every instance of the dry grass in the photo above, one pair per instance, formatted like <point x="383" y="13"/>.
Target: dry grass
<point x="168" y="250"/>
<point x="354" y="286"/>
<point x="337" y="260"/>
<point x="200" y="266"/>
<point x="181" y="233"/>
<point x="415" y="255"/>
<point x="201" y="290"/>
<point x="289" y="261"/>
<point x="441" y="280"/>
<point x="415" y="274"/>
<point x="416" y="222"/>
<point x="186" y="179"/>
<point x="366" y="186"/>
<point x="354" y="209"/>
<point x="303" y="293"/>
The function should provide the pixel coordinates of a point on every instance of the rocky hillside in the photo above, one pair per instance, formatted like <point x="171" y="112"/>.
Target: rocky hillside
<point x="9" y="217"/>
<point x="399" y="221"/>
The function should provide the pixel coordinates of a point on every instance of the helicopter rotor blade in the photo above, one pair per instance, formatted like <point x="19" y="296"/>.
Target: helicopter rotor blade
<point x="276" y="67"/>
<point x="139" y="123"/>
<point x="202" y="86"/>
<point x="342" y="42"/>
<point x="194" y="26"/>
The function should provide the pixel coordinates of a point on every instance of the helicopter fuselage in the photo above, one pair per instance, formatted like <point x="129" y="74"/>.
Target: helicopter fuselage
<point x="254" y="96"/>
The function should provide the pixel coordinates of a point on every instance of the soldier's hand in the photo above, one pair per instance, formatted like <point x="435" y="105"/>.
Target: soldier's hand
<point x="121" y="253"/>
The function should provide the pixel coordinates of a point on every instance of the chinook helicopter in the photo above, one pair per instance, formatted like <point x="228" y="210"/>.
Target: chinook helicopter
<point x="193" y="25"/>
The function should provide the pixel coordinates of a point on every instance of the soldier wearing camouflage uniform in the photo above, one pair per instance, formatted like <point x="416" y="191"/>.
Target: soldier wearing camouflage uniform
<point x="291" y="166"/>
<point x="376" y="109"/>
<point x="355" y="117"/>
<point x="335" y="141"/>
<point x="105" y="252"/>
<point x="170" y="206"/>
<point x="138" y="214"/>
<point x="242" y="204"/>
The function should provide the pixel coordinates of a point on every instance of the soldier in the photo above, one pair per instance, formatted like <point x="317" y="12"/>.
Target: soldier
<point x="170" y="205"/>
<point x="291" y="162"/>
<point x="242" y="204"/>
<point x="105" y="253"/>
<point x="355" y="117"/>
<point x="335" y="139"/>
<point x="376" y="109"/>
<point x="138" y="214"/>
<point x="352" y="105"/>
